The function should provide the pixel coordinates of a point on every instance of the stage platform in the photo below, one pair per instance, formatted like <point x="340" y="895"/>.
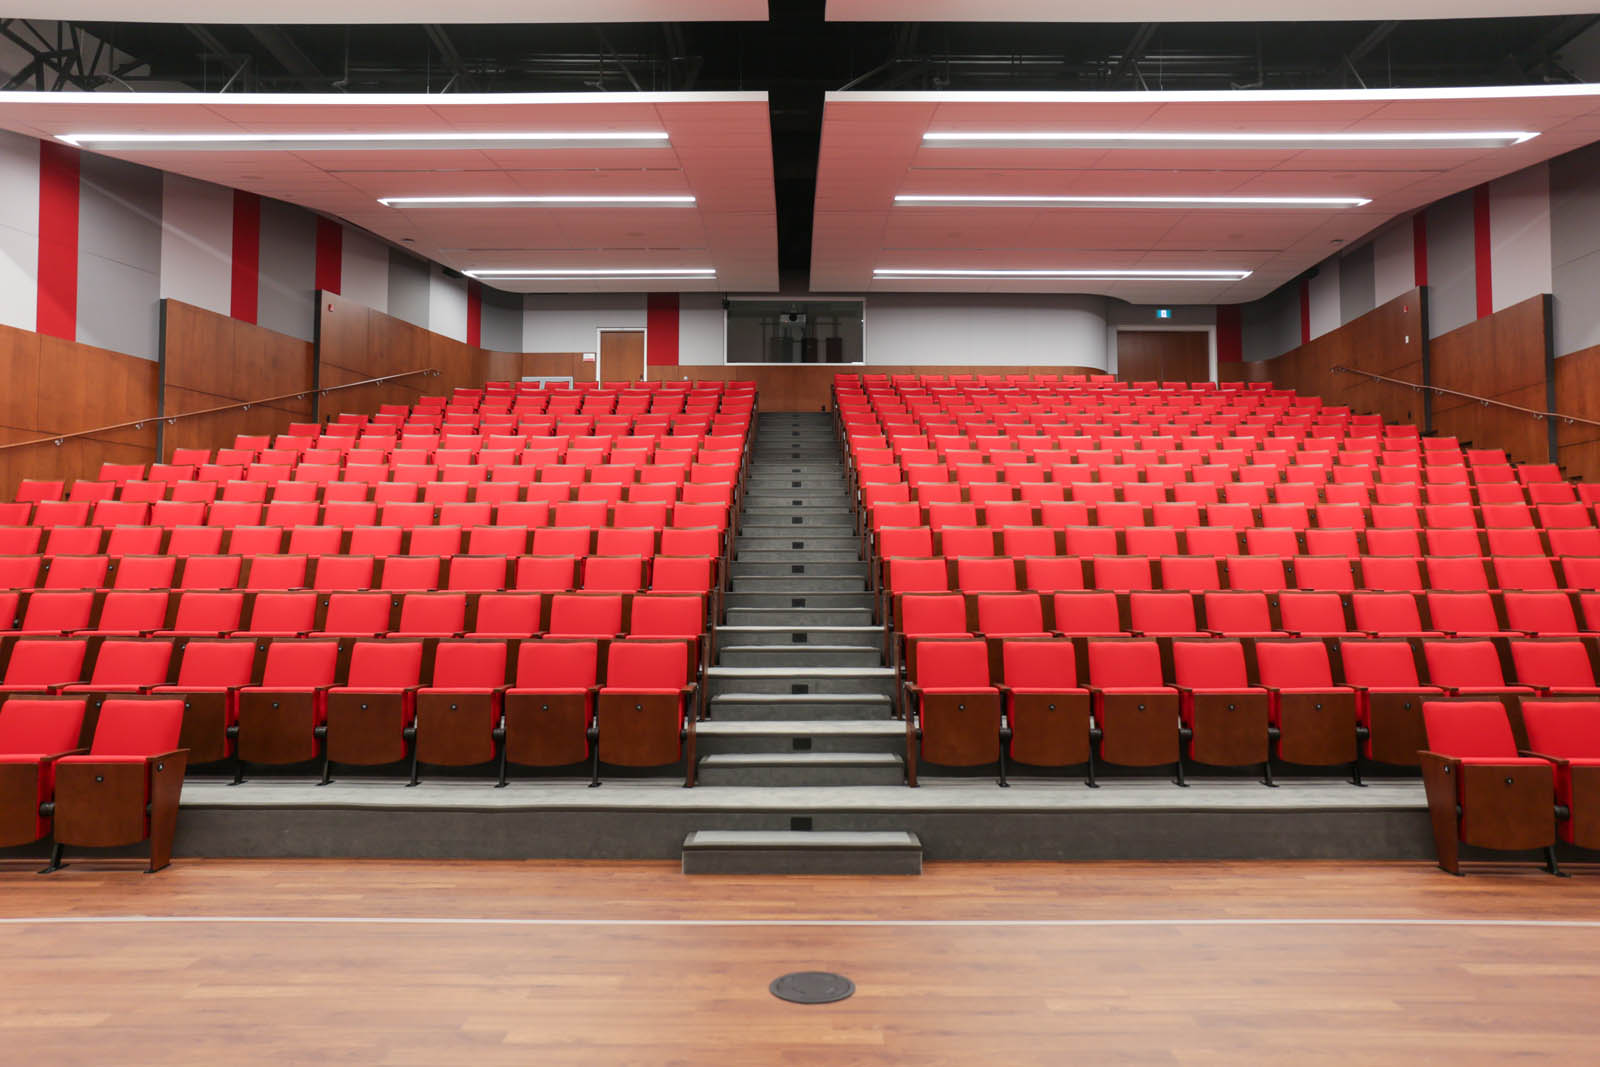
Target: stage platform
<point x="956" y="819"/>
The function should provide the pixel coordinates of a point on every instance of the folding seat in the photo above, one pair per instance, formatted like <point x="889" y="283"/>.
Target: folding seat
<point x="1388" y="614"/>
<point x="431" y="615"/>
<point x="126" y="788"/>
<point x="943" y="514"/>
<point x="1047" y="713"/>
<point x="546" y="574"/>
<point x="986" y="575"/>
<point x="591" y="616"/>
<point x="1516" y="541"/>
<point x="1313" y="720"/>
<point x="334" y="573"/>
<point x="575" y="513"/>
<point x="85" y="491"/>
<point x="230" y="513"/>
<point x="57" y="612"/>
<point x="953" y="714"/>
<point x="1546" y="614"/>
<point x="121" y="513"/>
<point x="283" y="719"/>
<point x="1063" y="514"/>
<point x="371" y="718"/>
<point x="33" y="490"/>
<point x="1312" y="614"/>
<point x="125" y="665"/>
<point x="76" y="572"/>
<point x="1239" y="614"/>
<point x="1571" y="516"/>
<point x="44" y="665"/>
<point x="145" y="572"/>
<point x="956" y="541"/>
<point x="195" y="541"/>
<point x="1165" y="614"/>
<point x="1192" y="573"/>
<point x="255" y="541"/>
<point x="1264" y="574"/>
<point x="433" y="541"/>
<point x="645" y="713"/>
<point x="34" y="735"/>
<point x="205" y="613"/>
<point x="1010" y="615"/>
<point x="130" y="613"/>
<point x="1051" y="574"/>
<point x="1506" y="515"/>
<point x="1273" y="541"/>
<point x="410" y="574"/>
<point x="133" y="541"/>
<point x="281" y="614"/>
<point x="1449" y="516"/>
<point x="1580" y="572"/>
<point x="65" y="513"/>
<point x="1120" y="573"/>
<point x="1389" y="698"/>
<point x="1566" y="734"/>
<point x="497" y="540"/>
<point x="458" y="719"/>
<point x="1480" y="791"/>
<point x="681" y="618"/>
<point x="1150" y="541"/>
<point x="1021" y="541"/>
<point x="357" y="614"/>
<point x="349" y="514"/>
<point x="478" y="574"/>
<point x="21" y="540"/>
<point x="275" y="572"/>
<point x="1471" y="668"/>
<point x="1556" y="667"/>
<point x="1454" y="573"/>
<point x="1525" y="573"/>
<point x="1329" y="573"/>
<point x="1137" y="716"/>
<point x="1211" y="540"/>
<point x="1391" y="574"/>
<point x="684" y="574"/>
<point x="562" y="541"/>
<point x="211" y="572"/>
<point x="1090" y="541"/>
<point x="1224" y="717"/>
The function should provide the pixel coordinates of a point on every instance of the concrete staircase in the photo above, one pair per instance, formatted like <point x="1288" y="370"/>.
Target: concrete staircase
<point x="800" y="694"/>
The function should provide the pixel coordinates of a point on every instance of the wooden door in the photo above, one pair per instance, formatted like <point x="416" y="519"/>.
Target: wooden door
<point x="1163" y="355"/>
<point x="622" y="356"/>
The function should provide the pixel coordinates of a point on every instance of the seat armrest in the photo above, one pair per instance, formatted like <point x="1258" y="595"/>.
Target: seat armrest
<point x="1557" y="761"/>
<point x="174" y="754"/>
<point x="52" y="757"/>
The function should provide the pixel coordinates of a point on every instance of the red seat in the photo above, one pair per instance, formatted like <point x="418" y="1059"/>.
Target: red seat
<point x="127" y="788"/>
<point x="35" y="733"/>
<point x="1469" y="667"/>
<point x="431" y="615"/>
<point x="953" y="714"/>
<point x="57" y="612"/>
<point x="206" y="614"/>
<point x="1480" y="791"/>
<point x="371" y="718"/>
<point x="1311" y="614"/>
<point x="1463" y="614"/>
<point x="1389" y="697"/>
<point x="459" y="716"/>
<point x="210" y="675"/>
<point x="592" y="616"/>
<point x="646" y="711"/>
<point x="1162" y="614"/>
<point x="1047" y="714"/>
<point x="1135" y="714"/>
<point x="131" y="613"/>
<point x="1239" y="614"/>
<point x="549" y="714"/>
<point x="1566" y="734"/>
<point x="287" y="614"/>
<point x="1010" y="615"/>
<point x="44" y="665"/>
<point x="1313" y="720"/>
<point x="1556" y="667"/>
<point x="546" y="574"/>
<point x="1224" y="717"/>
<point x="283" y="719"/>
<point x="1541" y="614"/>
<point x="127" y="665"/>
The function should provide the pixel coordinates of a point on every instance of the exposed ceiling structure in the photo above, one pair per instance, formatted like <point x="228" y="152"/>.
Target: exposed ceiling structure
<point x="1187" y="197"/>
<point x="1179" y="10"/>
<point x="568" y="192"/>
<point x="791" y="52"/>
<point x="340" y="12"/>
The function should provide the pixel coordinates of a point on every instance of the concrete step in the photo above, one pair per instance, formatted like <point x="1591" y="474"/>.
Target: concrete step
<point x="797" y="658"/>
<point x="788" y="541"/>
<point x="786" y="511"/>
<point x="799" y="617"/>
<point x="833" y="569"/>
<point x="732" y="678"/>
<point x="765" y="526"/>
<point x="788" y="707"/>
<point x="783" y="769"/>
<point x="805" y="735"/>
<point x="773" y="600"/>
<point x="893" y="852"/>
<point x="788" y="555"/>
<point x="789" y="634"/>
<point x="798" y="585"/>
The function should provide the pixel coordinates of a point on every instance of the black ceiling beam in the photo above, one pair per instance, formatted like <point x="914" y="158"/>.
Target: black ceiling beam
<point x="281" y="47"/>
<point x="1129" y="62"/>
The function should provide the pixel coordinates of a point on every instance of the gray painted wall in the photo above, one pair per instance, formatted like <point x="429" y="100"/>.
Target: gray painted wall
<point x="1271" y="325"/>
<point x="1357" y="283"/>
<point x="969" y="330"/>
<point x="1575" y="248"/>
<point x="408" y="288"/>
<point x="501" y="320"/>
<point x="1452" y="273"/>
<point x="288" y="269"/>
<point x="119" y="256"/>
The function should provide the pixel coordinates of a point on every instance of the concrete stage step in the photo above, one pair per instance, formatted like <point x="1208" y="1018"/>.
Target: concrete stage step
<point x="735" y="706"/>
<point x="782" y="770"/>
<point x="778" y="599"/>
<point x="798" y="585"/>
<point x="843" y="540"/>
<point x="786" y="554"/>
<point x="790" y="633"/>
<point x="771" y="569"/>
<point x="800" y="617"/>
<point x="801" y="735"/>
<point x="786" y="680"/>
<point x="802" y="852"/>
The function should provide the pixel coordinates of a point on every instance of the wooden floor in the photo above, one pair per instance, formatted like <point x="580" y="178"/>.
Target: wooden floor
<point x="632" y="963"/>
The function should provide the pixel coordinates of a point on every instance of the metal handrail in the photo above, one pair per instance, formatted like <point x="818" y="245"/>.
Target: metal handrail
<point x="1484" y="400"/>
<point x="243" y="405"/>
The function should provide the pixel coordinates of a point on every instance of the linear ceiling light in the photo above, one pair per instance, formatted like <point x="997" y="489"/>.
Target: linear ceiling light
<point x="584" y="274"/>
<point x="1106" y="275"/>
<point x="1260" y="141"/>
<point x="1134" y="201"/>
<point x="537" y="201"/>
<point x="324" y="142"/>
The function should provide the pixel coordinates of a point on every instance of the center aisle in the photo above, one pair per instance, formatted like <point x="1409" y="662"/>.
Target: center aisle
<point x="799" y="694"/>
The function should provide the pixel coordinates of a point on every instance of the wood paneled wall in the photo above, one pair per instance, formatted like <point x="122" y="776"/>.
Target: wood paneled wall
<point x="1501" y="357"/>
<point x="1578" y="393"/>
<point x="213" y="360"/>
<point x="1387" y="340"/>
<point x="48" y="385"/>
<point x="1163" y="355"/>
<point x="809" y="386"/>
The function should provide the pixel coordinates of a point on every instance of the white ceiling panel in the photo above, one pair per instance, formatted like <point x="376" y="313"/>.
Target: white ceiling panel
<point x="1180" y="11"/>
<point x="717" y="149"/>
<point x="463" y="12"/>
<point x="873" y="150"/>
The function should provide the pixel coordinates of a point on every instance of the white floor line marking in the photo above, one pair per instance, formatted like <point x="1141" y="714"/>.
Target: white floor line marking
<point x="1023" y="924"/>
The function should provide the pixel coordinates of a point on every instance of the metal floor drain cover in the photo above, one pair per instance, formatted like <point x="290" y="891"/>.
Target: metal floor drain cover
<point x="812" y="987"/>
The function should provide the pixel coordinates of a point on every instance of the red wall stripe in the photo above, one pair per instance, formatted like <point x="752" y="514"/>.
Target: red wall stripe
<point x="57" y="311"/>
<point x="246" y="255"/>
<point x="661" y="322"/>
<point x="474" y="313"/>
<point x="1482" y="260"/>
<point x="1305" y="310"/>
<point x="330" y="255"/>
<point x="1230" y="334"/>
<point x="1419" y="248"/>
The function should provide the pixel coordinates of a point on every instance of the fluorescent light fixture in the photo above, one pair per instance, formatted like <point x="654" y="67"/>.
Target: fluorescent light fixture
<point x="1134" y="201"/>
<point x="325" y="142"/>
<point x="588" y="274"/>
<point x="1263" y="141"/>
<point x="537" y="201"/>
<point x="1152" y="274"/>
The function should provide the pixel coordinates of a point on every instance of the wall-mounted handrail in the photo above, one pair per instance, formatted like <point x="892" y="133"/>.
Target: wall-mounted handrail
<point x="1486" y="401"/>
<point x="243" y="405"/>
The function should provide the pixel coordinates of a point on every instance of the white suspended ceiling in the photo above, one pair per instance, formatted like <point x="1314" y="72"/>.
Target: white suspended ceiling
<point x="639" y="157"/>
<point x="873" y="150"/>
